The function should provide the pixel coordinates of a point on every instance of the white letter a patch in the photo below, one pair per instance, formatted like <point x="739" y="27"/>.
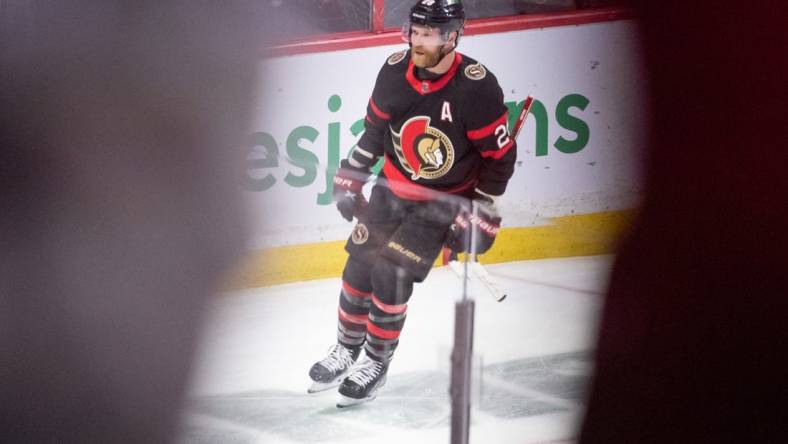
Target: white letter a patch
<point x="446" y="112"/>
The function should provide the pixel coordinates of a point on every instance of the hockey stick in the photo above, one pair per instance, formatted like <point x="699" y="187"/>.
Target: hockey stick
<point x="518" y="124"/>
<point x="477" y="272"/>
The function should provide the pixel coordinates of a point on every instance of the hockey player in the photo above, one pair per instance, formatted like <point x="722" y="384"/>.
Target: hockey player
<point x="437" y="118"/>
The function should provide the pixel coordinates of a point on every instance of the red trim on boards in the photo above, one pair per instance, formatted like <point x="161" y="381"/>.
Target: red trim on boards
<point x="366" y="39"/>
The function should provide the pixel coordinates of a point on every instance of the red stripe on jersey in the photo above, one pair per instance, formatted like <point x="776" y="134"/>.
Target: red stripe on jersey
<point x="390" y="309"/>
<point x="377" y="111"/>
<point x="353" y="319"/>
<point x="405" y="189"/>
<point x="481" y="133"/>
<point x="353" y="292"/>
<point x="497" y="154"/>
<point x="374" y="330"/>
<point x="425" y="86"/>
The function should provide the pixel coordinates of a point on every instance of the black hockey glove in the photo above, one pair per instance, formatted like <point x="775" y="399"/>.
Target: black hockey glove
<point x="487" y="222"/>
<point x="348" y="183"/>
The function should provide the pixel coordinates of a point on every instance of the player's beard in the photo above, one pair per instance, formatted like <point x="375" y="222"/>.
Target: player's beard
<point x="424" y="57"/>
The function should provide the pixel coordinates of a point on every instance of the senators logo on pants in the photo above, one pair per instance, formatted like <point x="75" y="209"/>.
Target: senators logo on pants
<point x="422" y="150"/>
<point x="360" y="234"/>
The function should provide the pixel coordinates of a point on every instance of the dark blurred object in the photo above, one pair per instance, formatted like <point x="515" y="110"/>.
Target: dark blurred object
<point x="118" y="206"/>
<point x="693" y="336"/>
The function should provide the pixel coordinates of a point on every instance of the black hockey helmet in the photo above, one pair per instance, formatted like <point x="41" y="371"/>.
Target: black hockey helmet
<point x="438" y="13"/>
<point x="447" y="15"/>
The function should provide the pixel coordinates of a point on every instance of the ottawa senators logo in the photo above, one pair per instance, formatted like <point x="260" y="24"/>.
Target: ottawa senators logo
<point x="360" y="234"/>
<point x="397" y="57"/>
<point x="477" y="71"/>
<point x="422" y="150"/>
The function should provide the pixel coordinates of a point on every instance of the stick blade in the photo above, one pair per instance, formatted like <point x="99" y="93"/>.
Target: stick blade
<point x="478" y="274"/>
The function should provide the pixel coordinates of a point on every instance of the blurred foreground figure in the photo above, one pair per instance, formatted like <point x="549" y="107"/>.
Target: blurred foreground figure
<point x="118" y="207"/>
<point x="692" y="346"/>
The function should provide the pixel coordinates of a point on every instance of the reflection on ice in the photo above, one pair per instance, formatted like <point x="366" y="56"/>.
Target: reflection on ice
<point x="411" y="401"/>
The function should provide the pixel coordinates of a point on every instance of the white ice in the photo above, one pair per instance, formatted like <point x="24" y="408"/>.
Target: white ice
<point x="533" y="353"/>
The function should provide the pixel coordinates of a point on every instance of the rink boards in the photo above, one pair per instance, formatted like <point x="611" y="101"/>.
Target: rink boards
<point x="576" y="181"/>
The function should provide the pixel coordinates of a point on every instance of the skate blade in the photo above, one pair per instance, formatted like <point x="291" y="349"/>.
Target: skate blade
<point x="318" y="387"/>
<point x="345" y="402"/>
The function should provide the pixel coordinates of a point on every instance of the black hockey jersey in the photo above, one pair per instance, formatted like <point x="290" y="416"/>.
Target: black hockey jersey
<point x="449" y="134"/>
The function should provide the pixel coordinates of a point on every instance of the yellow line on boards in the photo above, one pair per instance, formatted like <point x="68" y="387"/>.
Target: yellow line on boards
<point x="579" y="235"/>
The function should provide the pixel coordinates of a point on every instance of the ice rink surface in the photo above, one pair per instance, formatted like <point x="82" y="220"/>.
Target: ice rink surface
<point x="534" y="351"/>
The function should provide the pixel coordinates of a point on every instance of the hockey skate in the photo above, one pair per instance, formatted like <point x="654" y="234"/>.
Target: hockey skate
<point x="331" y="370"/>
<point x="363" y="383"/>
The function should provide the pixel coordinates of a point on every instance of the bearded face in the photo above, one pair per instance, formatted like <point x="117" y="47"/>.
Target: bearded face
<point x="426" y="57"/>
<point x="429" y="46"/>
